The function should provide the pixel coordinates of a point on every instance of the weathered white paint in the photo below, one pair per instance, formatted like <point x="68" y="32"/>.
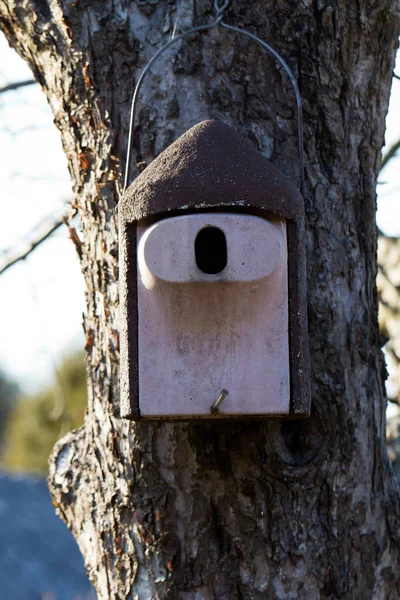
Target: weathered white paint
<point x="199" y="333"/>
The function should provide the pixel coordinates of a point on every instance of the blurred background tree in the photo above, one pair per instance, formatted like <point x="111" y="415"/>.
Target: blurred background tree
<point x="8" y="396"/>
<point x="36" y="422"/>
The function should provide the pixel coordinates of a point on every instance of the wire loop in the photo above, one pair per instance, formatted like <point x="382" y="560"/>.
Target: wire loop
<point x="218" y="21"/>
<point x="220" y="9"/>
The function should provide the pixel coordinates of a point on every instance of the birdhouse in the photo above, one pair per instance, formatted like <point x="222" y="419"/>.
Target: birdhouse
<point x="212" y="285"/>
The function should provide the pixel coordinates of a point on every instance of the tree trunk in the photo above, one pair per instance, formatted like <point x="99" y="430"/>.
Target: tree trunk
<point x="230" y="510"/>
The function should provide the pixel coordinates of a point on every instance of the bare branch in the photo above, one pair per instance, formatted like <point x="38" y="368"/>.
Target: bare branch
<point x="34" y="244"/>
<point x="390" y="153"/>
<point x="395" y="287"/>
<point x="16" y="85"/>
<point x="395" y="401"/>
<point x="396" y="76"/>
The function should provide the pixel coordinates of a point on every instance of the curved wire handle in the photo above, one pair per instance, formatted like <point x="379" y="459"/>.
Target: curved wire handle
<point x="218" y="21"/>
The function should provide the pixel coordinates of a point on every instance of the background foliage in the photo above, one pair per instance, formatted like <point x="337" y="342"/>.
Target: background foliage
<point x="8" y="396"/>
<point x="36" y="422"/>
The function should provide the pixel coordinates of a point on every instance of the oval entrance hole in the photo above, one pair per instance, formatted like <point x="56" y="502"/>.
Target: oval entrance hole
<point x="210" y="250"/>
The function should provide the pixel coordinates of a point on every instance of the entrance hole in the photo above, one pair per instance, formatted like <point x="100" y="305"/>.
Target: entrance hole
<point x="210" y="250"/>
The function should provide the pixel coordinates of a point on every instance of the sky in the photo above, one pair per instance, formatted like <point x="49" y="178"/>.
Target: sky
<point x="42" y="297"/>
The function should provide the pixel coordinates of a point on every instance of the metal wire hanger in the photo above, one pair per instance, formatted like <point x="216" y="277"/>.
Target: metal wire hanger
<point x="220" y="9"/>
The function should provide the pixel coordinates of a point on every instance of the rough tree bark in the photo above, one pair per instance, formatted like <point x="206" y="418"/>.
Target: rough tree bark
<point x="244" y="510"/>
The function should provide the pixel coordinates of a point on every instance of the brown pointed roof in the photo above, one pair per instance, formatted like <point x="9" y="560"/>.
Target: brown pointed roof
<point x="210" y="166"/>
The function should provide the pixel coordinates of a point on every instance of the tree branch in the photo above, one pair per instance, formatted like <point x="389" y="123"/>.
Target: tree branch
<point x="16" y="85"/>
<point x="34" y="244"/>
<point x="385" y="274"/>
<point x="390" y="153"/>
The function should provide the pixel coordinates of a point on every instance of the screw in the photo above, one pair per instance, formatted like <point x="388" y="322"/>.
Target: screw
<point x="218" y="402"/>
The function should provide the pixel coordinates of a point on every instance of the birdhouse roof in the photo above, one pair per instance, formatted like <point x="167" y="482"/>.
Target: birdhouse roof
<point x="210" y="166"/>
